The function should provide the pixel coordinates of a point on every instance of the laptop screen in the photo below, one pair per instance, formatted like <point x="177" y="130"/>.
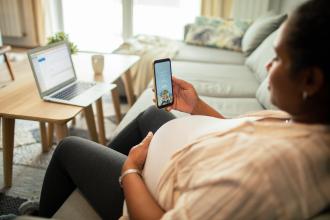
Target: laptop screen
<point x="52" y="67"/>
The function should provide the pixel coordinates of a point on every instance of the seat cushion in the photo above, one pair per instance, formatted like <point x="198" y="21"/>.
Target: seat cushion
<point x="218" y="80"/>
<point x="233" y="107"/>
<point x="261" y="56"/>
<point x="76" y="207"/>
<point x="229" y="107"/>
<point x="208" y="55"/>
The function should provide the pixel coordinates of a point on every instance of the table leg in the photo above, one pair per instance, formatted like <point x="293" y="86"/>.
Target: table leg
<point x="89" y="115"/>
<point x="8" y="131"/>
<point x="73" y="122"/>
<point x="127" y="79"/>
<point x="61" y="131"/>
<point x="116" y="103"/>
<point x="46" y="134"/>
<point x="43" y="136"/>
<point x="100" y="121"/>
<point x="10" y="69"/>
<point x="50" y="134"/>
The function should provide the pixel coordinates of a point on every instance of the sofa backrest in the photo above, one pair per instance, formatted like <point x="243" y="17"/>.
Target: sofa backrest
<point x="288" y="5"/>
<point x="257" y="61"/>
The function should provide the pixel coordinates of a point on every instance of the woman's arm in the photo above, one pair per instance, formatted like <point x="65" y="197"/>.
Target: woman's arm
<point x="187" y="100"/>
<point x="140" y="203"/>
<point x="202" y="108"/>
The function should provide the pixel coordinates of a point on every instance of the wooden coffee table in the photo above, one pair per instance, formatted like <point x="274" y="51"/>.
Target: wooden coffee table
<point x="20" y="100"/>
<point x="115" y="66"/>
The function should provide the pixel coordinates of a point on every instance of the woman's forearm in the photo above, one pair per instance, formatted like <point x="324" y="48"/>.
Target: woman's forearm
<point x="140" y="203"/>
<point x="202" y="108"/>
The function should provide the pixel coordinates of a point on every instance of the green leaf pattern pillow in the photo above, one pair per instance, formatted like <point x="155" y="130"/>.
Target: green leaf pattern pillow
<point x="217" y="32"/>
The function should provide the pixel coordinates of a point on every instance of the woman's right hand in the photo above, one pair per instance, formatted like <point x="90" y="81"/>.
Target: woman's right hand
<point x="185" y="96"/>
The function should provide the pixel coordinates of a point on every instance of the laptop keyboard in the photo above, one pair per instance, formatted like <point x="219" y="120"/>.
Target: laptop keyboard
<point x="73" y="91"/>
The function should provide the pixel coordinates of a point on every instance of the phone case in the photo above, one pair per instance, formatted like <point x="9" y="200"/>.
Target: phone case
<point x="165" y="96"/>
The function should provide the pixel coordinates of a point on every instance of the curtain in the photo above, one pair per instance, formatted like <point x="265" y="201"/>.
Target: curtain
<point x="53" y="17"/>
<point x="39" y="13"/>
<point x="48" y="17"/>
<point x="216" y="8"/>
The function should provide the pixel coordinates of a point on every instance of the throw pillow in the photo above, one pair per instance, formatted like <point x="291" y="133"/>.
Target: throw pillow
<point x="263" y="95"/>
<point x="213" y="21"/>
<point x="226" y="34"/>
<point x="261" y="56"/>
<point x="259" y="30"/>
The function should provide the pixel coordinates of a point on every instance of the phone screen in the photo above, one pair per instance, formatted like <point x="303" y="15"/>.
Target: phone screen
<point x="163" y="82"/>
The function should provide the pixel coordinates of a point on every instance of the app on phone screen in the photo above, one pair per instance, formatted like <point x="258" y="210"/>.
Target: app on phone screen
<point x="163" y="78"/>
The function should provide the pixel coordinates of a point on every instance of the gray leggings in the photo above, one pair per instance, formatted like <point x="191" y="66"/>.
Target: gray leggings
<point x="94" y="169"/>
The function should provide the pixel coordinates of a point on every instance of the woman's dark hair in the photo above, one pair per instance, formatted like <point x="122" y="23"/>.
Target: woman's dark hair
<point x="308" y="37"/>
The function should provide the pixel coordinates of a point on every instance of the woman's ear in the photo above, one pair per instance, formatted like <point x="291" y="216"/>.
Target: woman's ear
<point x="313" y="81"/>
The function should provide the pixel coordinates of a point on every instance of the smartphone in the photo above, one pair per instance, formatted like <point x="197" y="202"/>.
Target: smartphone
<point x="163" y="83"/>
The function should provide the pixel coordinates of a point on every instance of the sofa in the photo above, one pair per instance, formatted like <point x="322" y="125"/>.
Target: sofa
<point x="229" y="81"/>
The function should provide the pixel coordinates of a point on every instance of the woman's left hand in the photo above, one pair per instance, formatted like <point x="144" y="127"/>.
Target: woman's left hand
<point x="138" y="154"/>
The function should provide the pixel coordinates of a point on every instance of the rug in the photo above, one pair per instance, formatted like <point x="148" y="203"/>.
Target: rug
<point x="9" y="204"/>
<point x="28" y="150"/>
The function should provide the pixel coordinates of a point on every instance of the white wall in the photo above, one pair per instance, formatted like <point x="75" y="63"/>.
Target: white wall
<point x="289" y="5"/>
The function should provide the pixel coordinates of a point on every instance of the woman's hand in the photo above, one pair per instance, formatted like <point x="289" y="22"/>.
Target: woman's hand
<point x="135" y="189"/>
<point x="185" y="96"/>
<point x="138" y="154"/>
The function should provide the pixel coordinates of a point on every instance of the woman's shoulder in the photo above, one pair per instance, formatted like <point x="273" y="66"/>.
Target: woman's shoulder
<point x="267" y="114"/>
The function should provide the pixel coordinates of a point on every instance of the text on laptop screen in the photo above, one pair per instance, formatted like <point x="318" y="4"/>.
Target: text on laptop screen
<point x="52" y="67"/>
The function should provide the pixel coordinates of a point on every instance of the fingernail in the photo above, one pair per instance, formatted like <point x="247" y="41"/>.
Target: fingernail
<point x="149" y="133"/>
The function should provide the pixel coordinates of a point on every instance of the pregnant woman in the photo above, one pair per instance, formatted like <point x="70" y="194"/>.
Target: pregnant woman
<point x="267" y="165"/>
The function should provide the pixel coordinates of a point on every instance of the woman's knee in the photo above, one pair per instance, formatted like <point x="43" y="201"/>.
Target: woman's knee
<point x="153" y="112"/>
<point x="70" y="145"/>
<point x="152" y="119"/>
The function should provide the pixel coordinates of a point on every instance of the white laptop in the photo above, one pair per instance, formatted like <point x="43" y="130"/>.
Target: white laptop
<point x="56" y="78"/>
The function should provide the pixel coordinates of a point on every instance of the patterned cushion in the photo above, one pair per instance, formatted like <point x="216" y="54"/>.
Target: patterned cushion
<point x="220" y="33"/>
<point x="212" y="21"/>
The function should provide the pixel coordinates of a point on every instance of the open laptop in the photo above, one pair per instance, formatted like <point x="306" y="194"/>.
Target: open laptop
<point x="56" y="78"/>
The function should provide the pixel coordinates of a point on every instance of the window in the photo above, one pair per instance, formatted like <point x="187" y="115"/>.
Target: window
<point x="98" y="25"/>
<point x="164" y="18"/>
<point x="93" y="25"/>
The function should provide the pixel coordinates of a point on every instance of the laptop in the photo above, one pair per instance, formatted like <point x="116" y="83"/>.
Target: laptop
<point x="56" y="79"/>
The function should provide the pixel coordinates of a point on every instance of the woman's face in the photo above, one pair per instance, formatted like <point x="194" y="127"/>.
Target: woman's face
<point x="285" y="91"/>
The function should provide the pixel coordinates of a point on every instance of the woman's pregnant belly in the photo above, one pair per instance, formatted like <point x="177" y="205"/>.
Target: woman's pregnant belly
<point x="174" y="135"/>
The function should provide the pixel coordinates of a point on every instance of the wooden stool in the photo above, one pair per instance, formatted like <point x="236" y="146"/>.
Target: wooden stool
<point x="3" y="51"/>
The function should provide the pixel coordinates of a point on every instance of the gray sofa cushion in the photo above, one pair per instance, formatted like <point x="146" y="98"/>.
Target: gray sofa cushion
<point x="259" y="30"/>
<point x="261" y="56"/>
<point x="232" y="107"/>
<point x="218" y="80"/>
<point x="76" y="207"/>
<point x="263" y="95"/>
<point x="207" y="55"/>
